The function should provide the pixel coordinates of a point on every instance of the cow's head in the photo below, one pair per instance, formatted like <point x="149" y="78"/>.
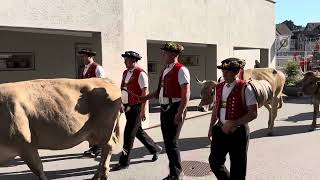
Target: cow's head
<point x="310" y="83"/>
<point x="207" y="93"/>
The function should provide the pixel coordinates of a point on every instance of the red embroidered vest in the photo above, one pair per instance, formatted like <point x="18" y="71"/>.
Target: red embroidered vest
<point x="91" y="72"/>
<point x="234" y="105"/>
<point x="133" y="85"/>
<point x="170" y="83"/>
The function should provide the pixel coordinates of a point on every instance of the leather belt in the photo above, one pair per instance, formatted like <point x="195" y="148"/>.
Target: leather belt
<point x="127" y="107"/>
<point x="165" y="107"/>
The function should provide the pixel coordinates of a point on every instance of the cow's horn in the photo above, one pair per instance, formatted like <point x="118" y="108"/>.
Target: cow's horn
<point x="200" y="82"/>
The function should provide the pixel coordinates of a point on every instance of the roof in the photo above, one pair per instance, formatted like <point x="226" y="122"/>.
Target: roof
<point x="311" y="26"/>
<point x="283" y="29"/>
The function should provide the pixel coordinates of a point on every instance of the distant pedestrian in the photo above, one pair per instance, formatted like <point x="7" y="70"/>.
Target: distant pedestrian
<point x="91" y="70"/>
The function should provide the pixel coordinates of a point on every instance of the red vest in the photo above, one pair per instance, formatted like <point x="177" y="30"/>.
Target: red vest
<point x="235" y="107"/>
<point x="91" y="72"/>
<point x="170" y="83"/>
<point x="132" y="85"/>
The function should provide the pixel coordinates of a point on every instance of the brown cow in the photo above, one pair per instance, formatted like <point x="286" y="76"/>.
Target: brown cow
<point x="275" y="80"/>
<point x="311" y="86"/>
<point x="58" y="114"/>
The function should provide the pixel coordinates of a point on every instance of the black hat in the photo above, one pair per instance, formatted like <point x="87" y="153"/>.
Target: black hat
<point x="88" y="52"/>
<point x="131" y="54"/>
<point x="173" y="47"/>
<point x="232" y="64"/>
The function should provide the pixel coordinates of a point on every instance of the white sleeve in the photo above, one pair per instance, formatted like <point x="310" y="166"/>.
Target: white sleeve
<point x="250" y="96"/>
<point x="100" y="72"/>
<point x="143" y="80"/>
<point x="183" y="76"/>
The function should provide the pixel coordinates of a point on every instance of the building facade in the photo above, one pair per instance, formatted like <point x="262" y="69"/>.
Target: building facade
<point x="40" y="38"/>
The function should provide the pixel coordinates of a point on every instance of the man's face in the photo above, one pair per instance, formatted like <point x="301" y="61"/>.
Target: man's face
<point x="129" y="62"/>
<point x="86" y="58"/>
<point x="168" y="56"/>
<point x="229" y="76"/>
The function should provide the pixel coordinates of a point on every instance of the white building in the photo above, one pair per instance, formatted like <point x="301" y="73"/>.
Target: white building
<point x="39" y="38"/>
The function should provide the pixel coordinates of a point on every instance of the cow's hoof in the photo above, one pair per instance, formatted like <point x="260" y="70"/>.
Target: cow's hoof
<point x="312" y="128"/>
<point x="270" y="133"/>
<point x="202" y="109"/>
<point x="99" y="178"/>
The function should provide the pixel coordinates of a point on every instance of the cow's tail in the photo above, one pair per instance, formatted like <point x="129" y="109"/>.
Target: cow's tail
<point x="280" y="102"/>
<point x="117" y="133"/>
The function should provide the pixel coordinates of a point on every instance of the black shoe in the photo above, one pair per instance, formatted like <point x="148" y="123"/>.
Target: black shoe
<point x="98" y="152"/>
<point x="94" y="151"/>
<point x="90" y="152"/>
<point x="118" y="167"/>
<point x="156" y="155"/>
<point x="174" y="177"/>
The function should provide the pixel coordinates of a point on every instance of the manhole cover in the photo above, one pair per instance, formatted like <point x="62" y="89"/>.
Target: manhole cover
<point x="196" y="168"/>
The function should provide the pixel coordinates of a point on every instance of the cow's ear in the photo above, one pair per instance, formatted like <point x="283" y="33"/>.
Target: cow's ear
<point x="318" y="83"/>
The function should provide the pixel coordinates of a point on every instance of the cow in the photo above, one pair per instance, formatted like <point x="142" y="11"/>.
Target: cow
<point x="272" y="79"/>
<point x="58" y="114"/>
<point x="311" y="86"/>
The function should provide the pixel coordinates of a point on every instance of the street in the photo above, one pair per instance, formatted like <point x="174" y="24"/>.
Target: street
<point x="291" y="154"/>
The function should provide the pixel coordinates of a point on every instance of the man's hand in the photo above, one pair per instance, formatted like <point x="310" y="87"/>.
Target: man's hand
<point x="178" y="117"/>
<point x="143" y="99"/>
<point x="142" y="115"/>
<point x="229" y="127"/>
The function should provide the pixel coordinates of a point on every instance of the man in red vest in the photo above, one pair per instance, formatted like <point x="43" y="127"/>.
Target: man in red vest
<point x="91" y="70"/>
<point x="173" y="93"/>
<point x="134" y="84"/>
<point x="235" y="106"/>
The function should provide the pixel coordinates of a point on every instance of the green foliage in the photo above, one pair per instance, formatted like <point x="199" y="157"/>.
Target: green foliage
<point x="292" y="71"/>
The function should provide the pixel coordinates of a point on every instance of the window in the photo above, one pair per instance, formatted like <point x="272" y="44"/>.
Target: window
<point x="152" y="67"/>
<point x="16" y="61"/>
<point x="189" y="60"/>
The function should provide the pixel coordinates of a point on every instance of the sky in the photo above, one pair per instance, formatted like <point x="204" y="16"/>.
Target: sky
<point x="299" y="11"/>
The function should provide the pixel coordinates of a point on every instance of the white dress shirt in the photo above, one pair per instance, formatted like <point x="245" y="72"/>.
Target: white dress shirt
<point x="183" y="78"/>
<point x="250" y="97"/>
<point x="142" y="80"/>
<point x="99" y="70"/>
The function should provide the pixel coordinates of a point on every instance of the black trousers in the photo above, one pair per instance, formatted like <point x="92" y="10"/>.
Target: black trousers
<point x="133" y="129"/>
<point x="171" y="131"/>
<point x="236" y="144"/>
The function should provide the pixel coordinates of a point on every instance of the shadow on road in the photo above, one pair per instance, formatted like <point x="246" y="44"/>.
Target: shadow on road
<point x="280" y="131"/>
<point x="61" y="157"/>
<point x="27" y="175"/>
<point x="186" y="144"/>
<point x="300" y="117"/>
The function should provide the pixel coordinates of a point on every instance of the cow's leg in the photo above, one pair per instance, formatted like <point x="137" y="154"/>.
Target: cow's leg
<point x="315" y="115"/>
<point x="31" y="157"/>
<point x="274" y="113"/>
<point x="104" y="168"/>
<point x="269" y="107"/>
